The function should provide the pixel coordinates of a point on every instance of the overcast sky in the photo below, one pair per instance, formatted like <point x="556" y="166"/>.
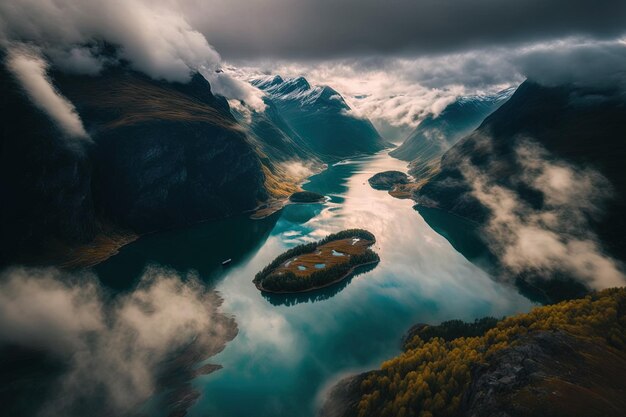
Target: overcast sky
<point x="322" y="29"/>
<point x="395" y="61"/>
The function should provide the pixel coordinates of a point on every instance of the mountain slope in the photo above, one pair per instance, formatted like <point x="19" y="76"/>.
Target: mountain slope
<point x="561" y="360"/>
<point x="435" y="135"/>
<point x="581" y="126"/>
<point x="286" y="159"/>
<point x="319" y="116"/>
<point x="45" y="181"/>
<point x="162" y="155"/>
<point x="167" y="154"/>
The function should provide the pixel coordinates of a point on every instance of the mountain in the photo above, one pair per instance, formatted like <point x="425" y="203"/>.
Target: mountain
<point x="435" y="134"/>
<point x="561" y="360"/>
<point x="276" y="139"/>
<point x="286" y="158"/>
<point x="161" y="155"/>
<point x="541" y="139"/>
<point x="166" y="154"/>
<point x="583" y="126"/>
<point x="45" y="182"/>
<point x="321" y="118"/>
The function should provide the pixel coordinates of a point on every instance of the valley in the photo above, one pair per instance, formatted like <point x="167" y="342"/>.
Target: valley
<point x="312" y="209"/>
<point x="291" y="348"/>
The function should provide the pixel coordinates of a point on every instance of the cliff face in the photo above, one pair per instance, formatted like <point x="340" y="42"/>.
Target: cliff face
<point x="164" y="174"/>
<point x="276" y="139"/>
<point x="166" y="154"/>
<point x="45" y="181"/>
<point x="161" y="155"/>
<point x="286" y="158"/>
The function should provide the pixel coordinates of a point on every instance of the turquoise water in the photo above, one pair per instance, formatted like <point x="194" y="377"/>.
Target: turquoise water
<point x="292" y="348"/>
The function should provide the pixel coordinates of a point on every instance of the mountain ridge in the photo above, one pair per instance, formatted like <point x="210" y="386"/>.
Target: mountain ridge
<point x="320" y="117"/>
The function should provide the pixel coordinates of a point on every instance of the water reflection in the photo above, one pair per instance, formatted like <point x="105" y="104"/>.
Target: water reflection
<point x="199" y="248"/>
<point x="317" y="295"/>
<point x="463" y="235"/>
<point x="289" y="349"/>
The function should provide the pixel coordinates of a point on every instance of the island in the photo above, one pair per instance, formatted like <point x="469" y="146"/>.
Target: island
<point x="306" y="197"/>
<point x="316" y="265"/>
<point x="388" y="179"/>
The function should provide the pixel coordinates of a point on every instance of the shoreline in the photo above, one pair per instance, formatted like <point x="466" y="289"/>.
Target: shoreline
<point x="319" y="287"/>
<point x="278" y="205"/>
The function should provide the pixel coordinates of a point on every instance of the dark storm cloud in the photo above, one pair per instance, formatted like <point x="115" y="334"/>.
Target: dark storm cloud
<point x="601" y="64"/>
<point x="335" y="28"/>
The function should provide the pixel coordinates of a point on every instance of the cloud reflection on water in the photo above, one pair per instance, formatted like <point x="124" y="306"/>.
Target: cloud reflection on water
<point x="288" y="351"/>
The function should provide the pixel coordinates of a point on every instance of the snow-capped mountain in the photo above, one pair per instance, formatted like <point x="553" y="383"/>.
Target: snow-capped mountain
<point x="320" y="117"/>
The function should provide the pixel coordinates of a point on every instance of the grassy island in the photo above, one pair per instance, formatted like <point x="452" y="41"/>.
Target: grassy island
<point x="319" y="264"/>
<point x="306" y="197"/>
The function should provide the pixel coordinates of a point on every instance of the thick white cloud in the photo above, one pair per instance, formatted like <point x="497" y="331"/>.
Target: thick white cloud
<point x="556" y="238"/>
<point x="112" y="347"/>
<point x="31" y="70"/>
<point x="154" y="36"/>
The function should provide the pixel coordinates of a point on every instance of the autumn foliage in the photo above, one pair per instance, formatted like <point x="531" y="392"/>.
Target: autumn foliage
<point x="430" y="377"/>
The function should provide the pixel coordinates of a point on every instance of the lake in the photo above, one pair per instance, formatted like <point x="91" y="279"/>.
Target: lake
<point x="292" y="348"/>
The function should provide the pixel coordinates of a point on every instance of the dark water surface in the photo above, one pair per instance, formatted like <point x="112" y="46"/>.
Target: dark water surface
<point x="291" y="349"/>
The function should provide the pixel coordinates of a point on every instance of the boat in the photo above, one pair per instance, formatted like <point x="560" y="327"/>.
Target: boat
<point x="226" y="262"/>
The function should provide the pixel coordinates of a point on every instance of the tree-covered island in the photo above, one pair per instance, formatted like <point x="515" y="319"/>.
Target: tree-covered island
<point x="319" y="264"/>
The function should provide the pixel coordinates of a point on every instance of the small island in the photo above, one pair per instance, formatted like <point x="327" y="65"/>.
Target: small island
<point x="306" y="197"/>
<point x="388" y="179"/>
<point x="316" y="265"/>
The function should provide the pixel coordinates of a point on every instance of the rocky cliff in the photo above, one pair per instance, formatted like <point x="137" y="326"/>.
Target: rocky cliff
<point x="161" y="155"/>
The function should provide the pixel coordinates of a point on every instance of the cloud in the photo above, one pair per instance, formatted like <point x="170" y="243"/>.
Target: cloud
<point x="31" y="70"/>
<point x="298" y="169"/>
<point x="581" y="62"/>
<point x="371" y="93"/>
<point x="79" y="60"/>
<point x="402" y="91"/>
<point x="326" y="29"/>
<point x="557" y="237"/>
<point x="225" y="84"/>
<point x="435" y="52"/>
<point x="113" y="348"/>
<point x="398" y="92"/>
<point x="153" y="36"/>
